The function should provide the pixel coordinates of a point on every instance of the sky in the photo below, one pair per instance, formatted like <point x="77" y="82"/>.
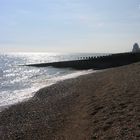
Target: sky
<point x="108" y="26"/>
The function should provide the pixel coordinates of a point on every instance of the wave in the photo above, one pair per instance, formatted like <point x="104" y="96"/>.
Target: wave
<point x="18" y="83"/>
<point x="73" y="75"/>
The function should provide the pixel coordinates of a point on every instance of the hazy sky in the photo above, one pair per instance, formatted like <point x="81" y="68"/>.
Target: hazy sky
<point x="69" y="25"/>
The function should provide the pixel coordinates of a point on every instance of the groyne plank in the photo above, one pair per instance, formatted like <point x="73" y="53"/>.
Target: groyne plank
<point x="97" y="63"/>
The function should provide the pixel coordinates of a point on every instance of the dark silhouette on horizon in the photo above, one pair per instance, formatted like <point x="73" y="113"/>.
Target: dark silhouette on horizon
<point x="136" y="48"/>
<point x="97" y="62"/>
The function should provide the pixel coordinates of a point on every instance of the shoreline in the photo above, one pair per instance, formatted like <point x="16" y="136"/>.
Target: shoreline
<point x="55" y="81"/>
<point x="102" y="105"/>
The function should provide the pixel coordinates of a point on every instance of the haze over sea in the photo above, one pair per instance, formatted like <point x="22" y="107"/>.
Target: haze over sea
<point x="18" y="83"/>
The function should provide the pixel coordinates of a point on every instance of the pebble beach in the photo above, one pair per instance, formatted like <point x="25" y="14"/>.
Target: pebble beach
<point x="104" y="105"/>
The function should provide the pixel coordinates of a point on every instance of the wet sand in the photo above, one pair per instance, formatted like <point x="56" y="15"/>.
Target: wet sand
<point x="103" y="105"/>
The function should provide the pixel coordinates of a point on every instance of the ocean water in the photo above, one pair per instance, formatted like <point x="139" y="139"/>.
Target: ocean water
<point x="19" y="83"/>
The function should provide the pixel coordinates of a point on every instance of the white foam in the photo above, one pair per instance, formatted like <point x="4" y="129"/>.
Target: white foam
<point x="28" y="93"/>
<point x="73" y="75"/>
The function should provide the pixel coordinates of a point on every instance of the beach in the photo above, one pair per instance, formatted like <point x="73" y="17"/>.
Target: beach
<point x="104" y="105"/>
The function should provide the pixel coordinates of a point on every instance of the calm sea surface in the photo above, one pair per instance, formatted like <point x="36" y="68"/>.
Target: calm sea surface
<point x="18" y="83"/>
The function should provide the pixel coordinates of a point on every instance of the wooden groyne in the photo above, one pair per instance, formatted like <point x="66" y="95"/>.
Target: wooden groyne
<point x="97" y="63"/>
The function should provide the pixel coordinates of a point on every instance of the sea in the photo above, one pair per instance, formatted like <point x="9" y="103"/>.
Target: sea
<point x="19" y="83"/>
